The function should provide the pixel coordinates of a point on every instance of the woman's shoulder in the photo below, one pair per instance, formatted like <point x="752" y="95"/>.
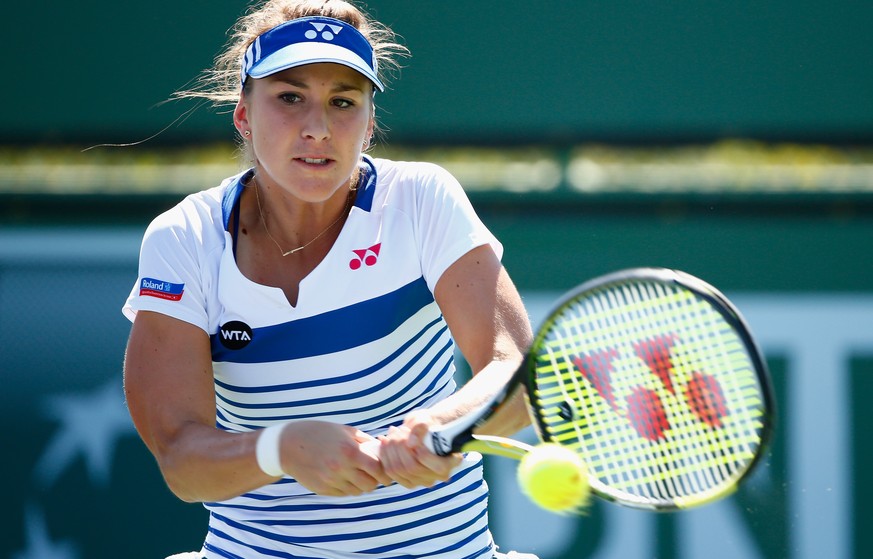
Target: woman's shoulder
<point x="408" y="171"/>
<point x="200" y="215"/>
<point x="414" y="180"/>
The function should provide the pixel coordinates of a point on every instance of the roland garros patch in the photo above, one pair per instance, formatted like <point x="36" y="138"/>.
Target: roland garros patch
<point x="161" y="289"/>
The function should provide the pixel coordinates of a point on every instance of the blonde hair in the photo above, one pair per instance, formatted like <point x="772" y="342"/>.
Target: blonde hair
<point x="221" y="84"/>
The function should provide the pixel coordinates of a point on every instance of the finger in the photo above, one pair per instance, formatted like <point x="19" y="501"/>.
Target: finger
<point x="372" y="464"/>
<point x="349" y="482"/>
<point x="362" y="437"/>
<point x="399" y="472"/>
<point x="441" y="466"/>
<point x="418" y="432"/>
<point x="418" y="473"/>
<point x="321" y="488"/>
<point x="362" y="482"/>
<point x="402" y="462"/>
<point x="401" y="465"/>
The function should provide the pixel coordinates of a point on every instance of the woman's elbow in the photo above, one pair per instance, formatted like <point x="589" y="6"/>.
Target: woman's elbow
<point x="177" y="481"/>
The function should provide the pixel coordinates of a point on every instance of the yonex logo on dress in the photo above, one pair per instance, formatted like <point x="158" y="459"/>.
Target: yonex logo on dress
<point x="368" y="256"/>
<point x="326" y="34"/>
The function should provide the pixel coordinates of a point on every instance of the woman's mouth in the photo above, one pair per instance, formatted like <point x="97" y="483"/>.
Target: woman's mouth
<point x="314" y="160"/>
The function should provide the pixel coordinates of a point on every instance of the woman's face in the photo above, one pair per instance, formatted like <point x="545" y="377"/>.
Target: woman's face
<point x="308" y="127"/>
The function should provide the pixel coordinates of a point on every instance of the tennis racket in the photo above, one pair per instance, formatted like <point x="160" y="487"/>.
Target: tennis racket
<point x="653" y="378"/>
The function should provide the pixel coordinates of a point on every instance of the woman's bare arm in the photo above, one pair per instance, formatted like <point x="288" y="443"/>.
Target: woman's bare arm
<point x="168" y="382"/>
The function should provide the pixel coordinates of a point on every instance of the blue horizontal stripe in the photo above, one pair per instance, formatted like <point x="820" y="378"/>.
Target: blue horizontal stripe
<point x="331" y="402"/>
<point x="332" y="413"/>
<point x="339" y="379"/>
<point x="374" y="516"/>
<point x="403" y="408"/>
<point x="367" y="424"/>
<point x="453" y="528"/>
<point x="287" y="555"/>
<point x="261" y="550"/>
<point x="414" y="494"/>
<point x="448" y="346"/>
<point x="348" y="536"/>
<point x="489" y="549"/>
<point x="330" y="332"/>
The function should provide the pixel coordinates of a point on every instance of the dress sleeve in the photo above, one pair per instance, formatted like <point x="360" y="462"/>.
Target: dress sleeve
<point x="448" y="226"/>
<point x="171" y="279"/>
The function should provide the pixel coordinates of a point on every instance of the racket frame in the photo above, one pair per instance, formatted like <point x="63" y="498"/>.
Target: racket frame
<point x="721" y="304"/>
<point x="457" y="435"/>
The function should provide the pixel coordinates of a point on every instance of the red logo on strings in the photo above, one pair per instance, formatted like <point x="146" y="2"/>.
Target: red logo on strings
<point x="365" y="256"/>
<point x="596" y="368"/>
<point x="645" y="410"/>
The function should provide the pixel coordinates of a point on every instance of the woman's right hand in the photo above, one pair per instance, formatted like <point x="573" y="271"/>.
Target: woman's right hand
<point x="331" y="459"/>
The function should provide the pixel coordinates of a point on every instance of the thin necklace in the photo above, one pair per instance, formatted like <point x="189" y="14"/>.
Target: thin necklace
<point x="301" y="247"/>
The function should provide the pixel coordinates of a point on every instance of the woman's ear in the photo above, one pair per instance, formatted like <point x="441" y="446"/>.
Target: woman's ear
<point x="240" y="118"/>
<point x="371" y="127"/>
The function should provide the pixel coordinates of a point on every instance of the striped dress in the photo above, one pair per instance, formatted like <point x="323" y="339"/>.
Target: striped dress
<point x="365" y="344"/>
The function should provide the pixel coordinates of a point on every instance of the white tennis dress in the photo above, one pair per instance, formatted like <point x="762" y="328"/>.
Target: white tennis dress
<point x="365" y="344"/>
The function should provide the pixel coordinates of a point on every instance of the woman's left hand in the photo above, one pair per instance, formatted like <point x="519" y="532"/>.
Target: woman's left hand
<point x="407" y="460"/>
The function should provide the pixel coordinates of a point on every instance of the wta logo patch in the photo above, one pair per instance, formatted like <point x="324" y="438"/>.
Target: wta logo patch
<point x="235" y="334"/>
<point x="161" y="289"/>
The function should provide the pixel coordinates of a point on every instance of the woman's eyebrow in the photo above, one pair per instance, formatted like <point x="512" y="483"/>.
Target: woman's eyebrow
<point x="342" y="86"/>
<point x="338" y="87"/>
<point x="291" y="82"/>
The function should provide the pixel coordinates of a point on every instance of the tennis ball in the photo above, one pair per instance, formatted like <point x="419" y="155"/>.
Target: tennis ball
<point x="555" y="478"/>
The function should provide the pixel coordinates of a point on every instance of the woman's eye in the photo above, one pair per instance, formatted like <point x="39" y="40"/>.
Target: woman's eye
<point x="343" y="103"/>
<point x="289" y="97"/>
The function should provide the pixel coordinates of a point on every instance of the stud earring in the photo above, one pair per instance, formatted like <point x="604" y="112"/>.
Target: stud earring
<point x="247" y="133"/>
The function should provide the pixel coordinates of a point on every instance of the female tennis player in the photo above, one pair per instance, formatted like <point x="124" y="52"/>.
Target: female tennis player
<point x="290" y="317"/>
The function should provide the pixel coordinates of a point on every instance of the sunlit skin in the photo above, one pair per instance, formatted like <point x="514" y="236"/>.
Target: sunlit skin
<point x="308" y="127"/>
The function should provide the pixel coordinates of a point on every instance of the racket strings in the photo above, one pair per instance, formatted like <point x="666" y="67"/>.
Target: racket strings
<point x="654" y="388"/>
<point x="695" y="470"/>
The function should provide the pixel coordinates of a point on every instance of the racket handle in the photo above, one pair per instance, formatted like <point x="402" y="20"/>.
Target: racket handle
<point x="438" y="444"/>
<point x="452" y="436"/>
<point x="439" y="447"/>
<point x="372" y="447"/>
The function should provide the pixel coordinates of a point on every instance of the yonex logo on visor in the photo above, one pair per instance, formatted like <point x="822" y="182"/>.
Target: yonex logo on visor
<point x="310" y="40"/>
<point x="327" y="35"/>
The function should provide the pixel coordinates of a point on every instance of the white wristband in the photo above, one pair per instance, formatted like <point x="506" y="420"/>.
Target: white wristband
<point x="268" y="448"/>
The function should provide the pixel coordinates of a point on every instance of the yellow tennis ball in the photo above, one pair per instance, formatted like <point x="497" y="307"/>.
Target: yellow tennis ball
<point x="555" y="478"/>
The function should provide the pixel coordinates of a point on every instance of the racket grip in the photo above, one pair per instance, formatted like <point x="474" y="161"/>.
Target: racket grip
<point x="452" y="436"/>
<point x="440" y="448"/>
<point x="438" y="444"/>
